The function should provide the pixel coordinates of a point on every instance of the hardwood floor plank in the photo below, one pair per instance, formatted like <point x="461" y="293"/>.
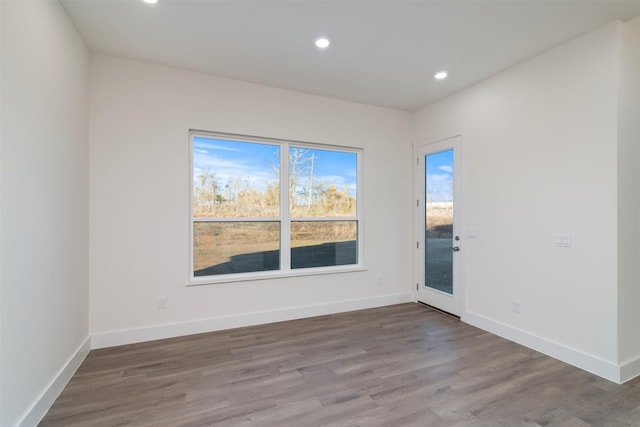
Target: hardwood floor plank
<point x="404" y="365"/>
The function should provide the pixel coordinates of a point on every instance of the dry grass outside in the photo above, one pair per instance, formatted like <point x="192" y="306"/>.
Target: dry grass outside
<point x="217" y="242"/>
<point x="439" y="222"/>
<point x="251" y="203"/>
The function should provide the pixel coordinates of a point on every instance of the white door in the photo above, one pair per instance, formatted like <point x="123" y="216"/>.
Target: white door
<point x="438" y="240"/>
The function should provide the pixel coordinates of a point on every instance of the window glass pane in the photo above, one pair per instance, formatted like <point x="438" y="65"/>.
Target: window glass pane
<point x="235" y="247"/>
<point x="323" y="243"/>
<point x="234" y="179"/>
<point x="322" y="183"/>
<point x="439" y="221"/>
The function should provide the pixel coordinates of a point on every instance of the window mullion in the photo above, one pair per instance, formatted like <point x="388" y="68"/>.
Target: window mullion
<point x="359" y="207"/>
<point x="324" y="218"/>
<point x="236" y="219"/>
<point x="285" y="224"/>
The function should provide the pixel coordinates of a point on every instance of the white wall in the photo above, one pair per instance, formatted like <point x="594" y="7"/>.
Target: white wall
<point x="629" y="194"/>
<point x="540" y="148"/>
<point x="44" y="224"/>
<point x="140" y="115"/>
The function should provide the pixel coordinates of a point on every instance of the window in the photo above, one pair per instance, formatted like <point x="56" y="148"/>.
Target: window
<point x="264" y="208"/>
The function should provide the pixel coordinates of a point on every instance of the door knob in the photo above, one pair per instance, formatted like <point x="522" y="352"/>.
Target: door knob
<point x="456" y="248"/>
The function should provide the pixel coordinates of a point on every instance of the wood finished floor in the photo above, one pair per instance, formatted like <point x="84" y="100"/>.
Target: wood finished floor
<point x="404" y="365"/>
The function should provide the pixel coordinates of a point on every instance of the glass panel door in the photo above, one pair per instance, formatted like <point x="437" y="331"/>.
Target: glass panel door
<point x="438" y="271"/>
<point x="439" y="221"/>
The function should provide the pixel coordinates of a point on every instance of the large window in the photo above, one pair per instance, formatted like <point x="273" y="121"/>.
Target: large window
<point x="263" y="208"/>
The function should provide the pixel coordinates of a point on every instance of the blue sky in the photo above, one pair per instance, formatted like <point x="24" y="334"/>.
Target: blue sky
<point x="333" y="167"/>
<point x="255" y="163"/>
<point x="440" y="176"/>
<point x="252" y="162"/>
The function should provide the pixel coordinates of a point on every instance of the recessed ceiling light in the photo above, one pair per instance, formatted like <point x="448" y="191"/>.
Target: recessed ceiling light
<point x="322" y="42"/>
<point x="150" y="1"/>
<point x="441" y="75"/>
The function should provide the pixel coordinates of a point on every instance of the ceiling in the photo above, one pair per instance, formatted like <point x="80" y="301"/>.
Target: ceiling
<point x="382" y="53"/>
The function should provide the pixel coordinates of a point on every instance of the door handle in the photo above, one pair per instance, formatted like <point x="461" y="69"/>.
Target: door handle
<point x="456" y="249"/>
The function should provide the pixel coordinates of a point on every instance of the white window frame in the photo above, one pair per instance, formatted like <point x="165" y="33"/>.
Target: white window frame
<point x="285" y="218"/>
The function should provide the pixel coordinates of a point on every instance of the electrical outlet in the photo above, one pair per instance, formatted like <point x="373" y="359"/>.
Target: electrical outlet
<point x="515" y="306"/>
<point x="380" y="281"/>
<point x="563" y="240"/>
<point x="162" y="303"/>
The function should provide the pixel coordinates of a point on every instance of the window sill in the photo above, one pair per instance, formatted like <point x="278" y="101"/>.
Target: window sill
<point x="266" y="275"/>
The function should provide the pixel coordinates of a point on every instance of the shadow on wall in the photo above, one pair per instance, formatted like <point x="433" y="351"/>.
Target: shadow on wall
<point x="326" y="254"/>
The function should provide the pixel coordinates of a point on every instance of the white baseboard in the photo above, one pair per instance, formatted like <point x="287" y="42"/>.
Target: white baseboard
<point x="130" y="336"/>
<point x="629" y="369"/>
<point x="577" y="358"/>
<point x="51" y="392"/>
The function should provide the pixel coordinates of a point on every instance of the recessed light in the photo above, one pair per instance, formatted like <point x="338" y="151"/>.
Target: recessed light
<point x="441" y="75"/>
<point x="150" y="1"/>
<point x="322" y="42"/>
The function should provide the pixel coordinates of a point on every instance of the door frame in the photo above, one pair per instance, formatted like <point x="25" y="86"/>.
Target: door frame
<point x="455" y="305"/>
